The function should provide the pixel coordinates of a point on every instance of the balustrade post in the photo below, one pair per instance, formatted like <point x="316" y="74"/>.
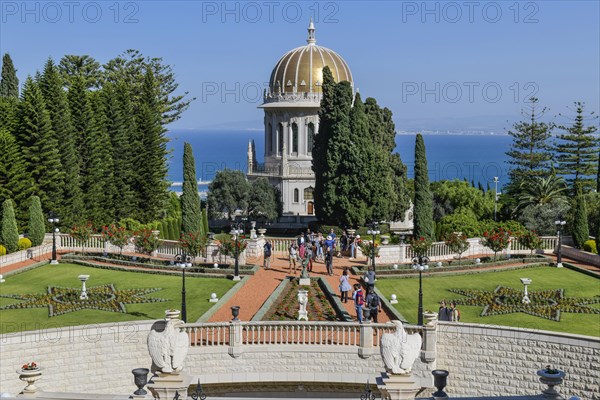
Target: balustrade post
<point x="428" y="350"/>
<point x="366" y="348"/>
<point x="235" y="339"/>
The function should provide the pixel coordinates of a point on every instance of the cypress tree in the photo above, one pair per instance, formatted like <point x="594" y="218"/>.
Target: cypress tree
<point x="9" y="83"/>
<point x="423" y="208"/>
<point x="39" y="146"/>
<point x="530" y="153"/>
<point x="178" y="223"/>
<point x="581" y="232"/>
<point x="205" y="221"/>
<point x="71" y="210"/>
<point x="577" y="150"/>
<point x="190" y="200"/>
<point x="172" y="231"/>
<point x="9" y="234"/>
<point x="15" y="180"/>
<point x="37" y="225"/>
<point x="151" y="164"/>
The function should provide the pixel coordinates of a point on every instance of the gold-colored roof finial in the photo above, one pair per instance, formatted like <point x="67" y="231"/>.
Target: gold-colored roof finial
<point x="311" y="33"/>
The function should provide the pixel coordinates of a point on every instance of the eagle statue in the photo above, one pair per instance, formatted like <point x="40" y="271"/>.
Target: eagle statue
<point x="399" y="350"/>
<point x="168" y="347"/>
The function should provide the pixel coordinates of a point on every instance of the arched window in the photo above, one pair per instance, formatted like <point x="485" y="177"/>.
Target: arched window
<point x="269" y="145"/>
<point x="295" y="138"/>
<point x="296" y="196"/>
<point x="308" y="193"/>
<point x="310" y="137"/>
<point x="280" y="139"/>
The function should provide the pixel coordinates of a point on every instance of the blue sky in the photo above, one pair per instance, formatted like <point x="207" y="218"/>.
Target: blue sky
<point x="436" y="65"/>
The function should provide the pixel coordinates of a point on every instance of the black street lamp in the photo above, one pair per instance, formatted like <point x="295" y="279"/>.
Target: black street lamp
<point x="183" y="261"/>
<point x="53" y="220"/>
<point x="373" y="231"/>
<point x="559" y="224"/>
<point x="420" y="264"/>
<point x="236" y="230"/>
<point x="496" y="195"/>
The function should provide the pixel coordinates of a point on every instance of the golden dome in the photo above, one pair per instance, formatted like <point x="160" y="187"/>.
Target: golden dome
<point x="301" y="70"/>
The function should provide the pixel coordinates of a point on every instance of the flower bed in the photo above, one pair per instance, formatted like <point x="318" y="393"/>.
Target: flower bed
<point x="544" y="304"/>
<point x="60" y="300"/>
<point x="286" y="307"/>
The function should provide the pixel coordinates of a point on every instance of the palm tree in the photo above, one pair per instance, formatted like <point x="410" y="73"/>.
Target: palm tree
<point x="538" y="191"/>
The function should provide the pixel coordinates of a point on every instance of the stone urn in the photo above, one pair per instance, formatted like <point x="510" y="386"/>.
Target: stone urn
<point x="140" y="378"/>
<point x="366" y="314"/>
<point x="261" y="232"/>
<point x="235" y="312"/>
<point x="385" y="239"/>
<point x="351" y="232"/>
<point x="172" y="314"/>
<point x="30" y="376"/>
<point x="551" y="377"/>
<point x="440" y="380"/>
<point x="430" y="317"/>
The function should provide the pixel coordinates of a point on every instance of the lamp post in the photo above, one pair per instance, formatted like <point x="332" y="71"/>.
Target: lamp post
<point x="373" y="231"/>
<point x="420" y="264"/>
<point x="183" y="261"/>
<point x="53" y="220"/>
<point x="236" y="230"/>
<point x="559" y="224"/>
<point x="495" y="197"/>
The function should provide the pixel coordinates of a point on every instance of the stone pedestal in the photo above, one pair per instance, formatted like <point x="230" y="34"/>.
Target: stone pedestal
<point x="397" y="387"/>
<point x="164" y="386"/>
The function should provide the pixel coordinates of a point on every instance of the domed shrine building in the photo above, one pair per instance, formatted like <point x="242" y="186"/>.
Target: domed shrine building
<point x="291" y="105"/>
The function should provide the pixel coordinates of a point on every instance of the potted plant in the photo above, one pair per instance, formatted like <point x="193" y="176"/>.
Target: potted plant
<point x="551" y="377"/>
<point x="30" y="373"/>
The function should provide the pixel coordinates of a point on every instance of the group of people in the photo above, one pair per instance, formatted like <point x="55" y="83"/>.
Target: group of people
<point x="448" y="313"/>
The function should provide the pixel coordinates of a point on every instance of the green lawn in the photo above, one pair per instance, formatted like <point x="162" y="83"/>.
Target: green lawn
<point x="435" y="288"/>
<point x="65" y="275"/>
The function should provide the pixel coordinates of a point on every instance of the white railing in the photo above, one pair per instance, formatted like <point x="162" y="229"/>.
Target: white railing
<point x="289" y="333"/>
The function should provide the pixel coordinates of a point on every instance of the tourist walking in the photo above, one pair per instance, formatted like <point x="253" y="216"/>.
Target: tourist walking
<point x="267" y="251"/>
<point x="329" y="260"/>
<point x="293" y="250"/>
<point x="344" y="286"/>
<point x="443" y="312"/>
<point x="308" y="254"/>
<point x="344" y="242"/>
<point x="319" y="242"/>
<point x="373" y="303"/>
<point x="359" y="301"/>
<point x="369" y="278"/>
<point x="454" y="312"/>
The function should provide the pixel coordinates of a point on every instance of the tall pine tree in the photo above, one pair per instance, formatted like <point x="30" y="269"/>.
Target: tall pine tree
<point x="577" y="150"/>
<point x="71" y="207"/>
<point x="190" y="200"/>
<point x="581" y="230"/>
<point x="151" y="183"/>
<point x="423" y="209"/>
<point x="15" y="180"/>
<point x="39" y="146"/>
<point x="37" y="225"/>
<point x="9" y="83"/>
<point x="530" y="153"/>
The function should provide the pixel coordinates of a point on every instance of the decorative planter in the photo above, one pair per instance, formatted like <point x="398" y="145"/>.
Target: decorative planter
<point x="551" y="379"/>
<point x="385" y="239"/>
<point x="440" y="380"/>
<point x="261" y="232"/>
<point x="172" y="314"/>
<point x="351" y="232"/>
<point x="366" y="313"/>
<point x="235" y="311"/>
<point x="431" y="318"/>
<point x="30" y="376"/>
<point x="140" y="380"/>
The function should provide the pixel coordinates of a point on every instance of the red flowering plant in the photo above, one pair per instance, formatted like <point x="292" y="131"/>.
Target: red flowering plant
<point x="82" y="233"/>
<point x="193" y="243"/>
<point x="367" y="247"/>
<point x="31" y="366"/>
<point x="457" y="243"/>
<point x="227" y="247"/>
<point x="116" y="235"/>
<point x="530" y="240"/>
<point x="146" y="241"/>
<point x="496" y="240"/>
<point x="420" y="246"/>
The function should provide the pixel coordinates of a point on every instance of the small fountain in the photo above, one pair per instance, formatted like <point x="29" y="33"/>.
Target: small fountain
<point x="83" y="279"/>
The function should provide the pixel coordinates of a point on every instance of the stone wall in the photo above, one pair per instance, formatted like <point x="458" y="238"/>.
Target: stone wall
<point x="581" y="256"/>
<point x="493" y="360"/>
<point x="88" y="358"/>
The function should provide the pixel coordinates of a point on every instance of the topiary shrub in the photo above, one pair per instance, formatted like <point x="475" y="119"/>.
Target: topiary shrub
<point x="24" y="243"/>
<point x="590" y="246"/>
<point x="2" y="250"/>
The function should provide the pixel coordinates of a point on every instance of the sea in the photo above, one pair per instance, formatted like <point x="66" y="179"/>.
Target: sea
<point x="476" y="158"/>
